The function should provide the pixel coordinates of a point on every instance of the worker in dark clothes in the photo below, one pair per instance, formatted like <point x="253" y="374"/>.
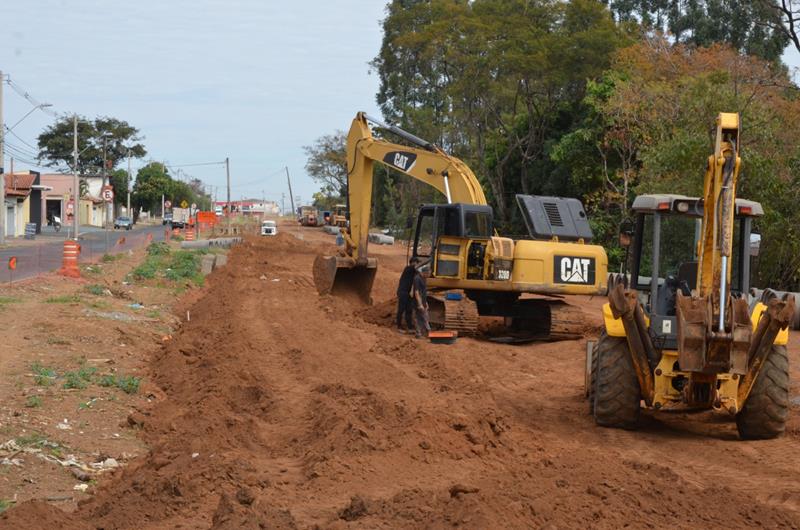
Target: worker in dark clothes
<point x="420" y="294"/>
<point x="405" y="307"/>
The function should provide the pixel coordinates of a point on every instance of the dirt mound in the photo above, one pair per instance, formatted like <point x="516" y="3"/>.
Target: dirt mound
<point x="283" y="409"/>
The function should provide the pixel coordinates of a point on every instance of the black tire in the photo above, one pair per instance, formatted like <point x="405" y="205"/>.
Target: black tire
<point x="617" y="394"/>
<point x="767" y="408"/>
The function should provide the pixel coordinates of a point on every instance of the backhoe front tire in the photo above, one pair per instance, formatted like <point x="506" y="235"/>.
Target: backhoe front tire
<point x="617" y="394"/>
<point x="767" y="408"/>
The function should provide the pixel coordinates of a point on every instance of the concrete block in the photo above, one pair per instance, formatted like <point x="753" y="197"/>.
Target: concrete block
<point x="207" y="264"/>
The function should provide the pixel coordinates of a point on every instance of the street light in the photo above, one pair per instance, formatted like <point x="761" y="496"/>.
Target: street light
<point x="37" y="107"/>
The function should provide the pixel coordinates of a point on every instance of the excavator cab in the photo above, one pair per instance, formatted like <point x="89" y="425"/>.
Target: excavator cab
<point x="452" y="239"/>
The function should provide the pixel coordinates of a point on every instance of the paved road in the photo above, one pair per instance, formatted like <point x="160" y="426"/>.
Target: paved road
<point x="44" y="254"/>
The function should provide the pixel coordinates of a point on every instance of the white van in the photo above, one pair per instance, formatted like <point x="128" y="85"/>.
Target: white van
<point x="269" y="228"/>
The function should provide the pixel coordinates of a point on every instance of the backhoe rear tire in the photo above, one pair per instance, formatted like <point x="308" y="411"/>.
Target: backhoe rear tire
<point x="591" y="382"/>
<point x="767" y="408"/>
<point x="617" y="394"/>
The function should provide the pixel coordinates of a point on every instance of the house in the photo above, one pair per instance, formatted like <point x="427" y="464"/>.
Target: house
<point x="22" y="204"/>
<point x="57" y="199"/>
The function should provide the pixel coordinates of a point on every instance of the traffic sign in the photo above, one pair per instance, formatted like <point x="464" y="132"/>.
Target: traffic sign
<point x="12" y="263"/>
<point x="108" y="194"/>
<point x="167" y="204"/>
<point x="194" y="206"/>
<point x="184" y="204"/>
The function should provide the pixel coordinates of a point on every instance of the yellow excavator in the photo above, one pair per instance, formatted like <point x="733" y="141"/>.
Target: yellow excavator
<point x="679" y="333"/>
<point x="473" y="271"/>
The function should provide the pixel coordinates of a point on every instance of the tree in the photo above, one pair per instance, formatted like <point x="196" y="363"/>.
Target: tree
<point x="152" y="182"/>
<point x="650" y="130"/>
<point x="119" y="181"/>
<point x="56" y="143"/>
<point x="749" y="26"/>
<point x="327" y="163"/>
<point x="786" y="20"/>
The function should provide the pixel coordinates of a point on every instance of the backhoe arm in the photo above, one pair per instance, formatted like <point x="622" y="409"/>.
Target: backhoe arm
<point x="425" y="162"/>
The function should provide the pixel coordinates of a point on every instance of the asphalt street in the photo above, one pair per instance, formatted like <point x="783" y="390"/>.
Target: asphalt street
<point x="45" y="253"/>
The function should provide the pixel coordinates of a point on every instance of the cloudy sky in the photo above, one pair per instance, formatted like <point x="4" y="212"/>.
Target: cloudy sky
<point x="253" y="80"/>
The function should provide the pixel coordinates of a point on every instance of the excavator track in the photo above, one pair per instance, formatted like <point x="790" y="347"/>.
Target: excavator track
<point x="537" y="319"/>
<point x="453" y="315"/>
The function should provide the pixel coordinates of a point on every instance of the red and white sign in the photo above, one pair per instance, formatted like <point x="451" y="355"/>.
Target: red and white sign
<point x="108" y="194"/>
<point x="12" y="263"/>
<point x="167" y="204"/>
<point x="70" y="207"/>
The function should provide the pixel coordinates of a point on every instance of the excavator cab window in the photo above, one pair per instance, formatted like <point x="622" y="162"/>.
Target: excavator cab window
<point x="424" y="237"/>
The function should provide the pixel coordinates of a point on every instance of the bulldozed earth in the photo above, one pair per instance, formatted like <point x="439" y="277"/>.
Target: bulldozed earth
<point x="273" y="407"/>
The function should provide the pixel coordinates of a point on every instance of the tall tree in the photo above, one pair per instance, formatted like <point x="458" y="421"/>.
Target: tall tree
<point x="117" y="136"/>
<point x="750" y="26"/>
<point x="327" y="163"/>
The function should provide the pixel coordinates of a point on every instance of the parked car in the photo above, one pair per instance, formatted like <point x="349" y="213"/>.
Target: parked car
<point x="167" y="219"/>
<point x="269" y="228"/>
<point x="123" y="222"/>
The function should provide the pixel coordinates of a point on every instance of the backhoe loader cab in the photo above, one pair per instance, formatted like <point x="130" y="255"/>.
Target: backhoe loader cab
<point x="664" y="256"/>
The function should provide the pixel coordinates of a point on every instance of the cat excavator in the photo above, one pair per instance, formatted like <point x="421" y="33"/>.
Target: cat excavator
<point x="472" y="271"/>
<point x="679" y="333"/>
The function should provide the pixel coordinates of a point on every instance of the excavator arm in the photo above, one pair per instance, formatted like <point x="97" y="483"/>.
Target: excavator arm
<point x="424" y="162"/>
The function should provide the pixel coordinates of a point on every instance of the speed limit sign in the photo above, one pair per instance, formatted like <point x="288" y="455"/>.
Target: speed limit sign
<point x="108" y="194"/>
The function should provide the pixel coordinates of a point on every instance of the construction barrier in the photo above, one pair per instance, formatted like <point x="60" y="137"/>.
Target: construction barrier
<point x="69" y="265"/>
<point x="189" y="234"/>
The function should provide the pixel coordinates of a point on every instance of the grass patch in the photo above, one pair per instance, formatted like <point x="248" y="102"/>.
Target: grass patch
<point x="109" y="258"/>
<point x="33" y="402"/>
<point x="64" y="299"/>
<point x="42" y="375"/>
<point x="127" y="383"/>
<point x="96" y="289"/>
<point x="73" y="380"/>
<point x="162" y="262"/>
<point x="57" y="341"/>
<point x="33" y="439"/>
<point x="154" y="313"/>
<point x="5" y="504"/>
<point x="5" y="300"/>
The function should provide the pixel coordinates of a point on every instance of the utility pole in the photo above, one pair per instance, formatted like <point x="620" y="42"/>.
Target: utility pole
<point x="228" y="177"/>
<point x="283" y="204"/>
<point x="3" y="210"/>
<point x="128" y="207"/>
<point x="75" y="184"/>
<point x="106" y="182"/>
<point x="291" y="197"/>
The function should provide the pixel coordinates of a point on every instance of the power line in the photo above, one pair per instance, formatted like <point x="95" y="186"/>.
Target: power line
<point x="25" y="94"/>
<point x="18" y="137"/>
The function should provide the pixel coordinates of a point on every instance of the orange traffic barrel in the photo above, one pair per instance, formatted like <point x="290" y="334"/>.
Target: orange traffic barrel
<point x="69" y="266"/>
<point x="176" y="231"/>
<point x="189" y="234"/>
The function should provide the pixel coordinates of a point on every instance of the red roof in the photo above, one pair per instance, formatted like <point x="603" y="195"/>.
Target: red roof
<point x="19" y="184"/>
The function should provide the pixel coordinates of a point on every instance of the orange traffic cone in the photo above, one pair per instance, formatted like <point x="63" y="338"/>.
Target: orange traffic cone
<point x="69" y="265"/>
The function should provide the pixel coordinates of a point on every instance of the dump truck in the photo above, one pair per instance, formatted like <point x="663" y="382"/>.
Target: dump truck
<point x="473" y="270"/>
<point x="678" y="331"/>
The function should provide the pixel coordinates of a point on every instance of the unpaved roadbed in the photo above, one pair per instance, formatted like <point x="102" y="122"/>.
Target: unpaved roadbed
<point x="282" y="409"/>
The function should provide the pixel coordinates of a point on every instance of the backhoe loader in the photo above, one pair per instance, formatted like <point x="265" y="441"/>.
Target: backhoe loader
<point x="473" y="271"/>
<point x="679" y="334"/>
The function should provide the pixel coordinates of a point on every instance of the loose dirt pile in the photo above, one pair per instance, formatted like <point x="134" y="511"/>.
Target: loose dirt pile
<point x="283" y="409"/>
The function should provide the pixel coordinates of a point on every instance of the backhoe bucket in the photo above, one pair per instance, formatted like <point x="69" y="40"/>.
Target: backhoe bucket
<point x="342" y="276"/>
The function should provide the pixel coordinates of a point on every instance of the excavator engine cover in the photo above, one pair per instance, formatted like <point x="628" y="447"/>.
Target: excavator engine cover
<point x="343" y="276"/>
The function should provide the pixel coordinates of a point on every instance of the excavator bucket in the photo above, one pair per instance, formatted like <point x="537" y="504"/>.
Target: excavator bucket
<point x="342" y="276"/>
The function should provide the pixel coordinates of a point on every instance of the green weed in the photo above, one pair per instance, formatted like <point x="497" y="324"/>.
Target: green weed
<point x="108" y="258"/>
<point x="33" y="402"/>
<point x="96" y="289"/>
<point x="158" y="249"/>
<point x="5" y="300"/>
<point x="129" y="384"/>
<point x="74" y="380"/>
<point x="107" y="380"/>
<point x="64" y="299"/>
<point x="5" y="504"/>
<point x="42" y="375"/>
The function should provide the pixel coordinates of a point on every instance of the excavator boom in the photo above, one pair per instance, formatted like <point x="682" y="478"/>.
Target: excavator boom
<point x="353" y="271"/>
